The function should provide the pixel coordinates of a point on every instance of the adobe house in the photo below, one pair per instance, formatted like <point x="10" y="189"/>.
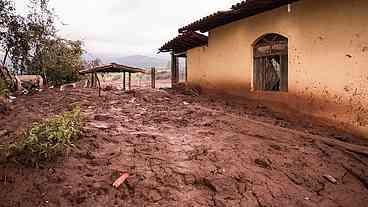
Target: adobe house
<point x="296" y="55"/>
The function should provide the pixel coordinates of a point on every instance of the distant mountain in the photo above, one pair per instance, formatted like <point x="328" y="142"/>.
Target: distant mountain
<point x="142" y="61"/>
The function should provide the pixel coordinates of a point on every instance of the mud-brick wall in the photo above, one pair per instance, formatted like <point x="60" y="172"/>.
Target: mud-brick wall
<point x="328" y="59"/>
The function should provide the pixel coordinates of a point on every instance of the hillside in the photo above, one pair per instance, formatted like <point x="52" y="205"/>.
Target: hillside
<point x="141" y="61"/>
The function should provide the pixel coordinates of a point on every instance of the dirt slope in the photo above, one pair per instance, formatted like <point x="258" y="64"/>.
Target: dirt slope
<point x="182" y="151"/>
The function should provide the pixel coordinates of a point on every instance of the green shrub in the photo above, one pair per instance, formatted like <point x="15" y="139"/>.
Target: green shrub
<point x="4" y="90"/>
<point x="47" y="140"/>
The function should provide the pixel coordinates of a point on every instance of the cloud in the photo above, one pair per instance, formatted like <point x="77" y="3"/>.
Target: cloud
<point x="128" y="27"/>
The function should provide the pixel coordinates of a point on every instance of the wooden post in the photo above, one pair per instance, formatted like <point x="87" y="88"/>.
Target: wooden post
<point x="177" y="70"/>
<point x="124" y="87"/>
<point x="186" y="69"/>
<point x="153" y="78"/>
<point x="92" y="80"/>
<point x="99" y="84"/>
<point x="130" y="81"/>
<point x="174" y="69"/>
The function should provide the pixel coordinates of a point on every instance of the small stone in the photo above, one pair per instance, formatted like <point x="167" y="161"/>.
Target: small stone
<point x="189" y="179"/>
<point x="154" y="195"/>
<point x="219" y="202"/>
<point x="4" y="132"/>
<point x="101" y="125"/>
<point x="263" y="163"/>
<point x="102" y="117"/>
<point x="330" y="178"/>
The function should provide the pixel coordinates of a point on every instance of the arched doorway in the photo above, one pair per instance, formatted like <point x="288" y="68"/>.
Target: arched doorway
<point x="270" y="70"/>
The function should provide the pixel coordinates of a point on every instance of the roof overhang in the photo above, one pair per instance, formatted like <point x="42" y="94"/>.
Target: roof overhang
<point x="238" y="11"/>
<point x="184" y="42"/>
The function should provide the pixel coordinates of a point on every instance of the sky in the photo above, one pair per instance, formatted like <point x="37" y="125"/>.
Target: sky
<point x="127" y="27"/>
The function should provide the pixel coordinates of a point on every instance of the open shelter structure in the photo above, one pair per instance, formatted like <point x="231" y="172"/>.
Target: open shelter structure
<point x="113" y="68"/>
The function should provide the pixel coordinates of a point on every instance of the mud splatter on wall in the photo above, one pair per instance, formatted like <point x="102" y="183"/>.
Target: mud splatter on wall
<point x="328" y="66"/>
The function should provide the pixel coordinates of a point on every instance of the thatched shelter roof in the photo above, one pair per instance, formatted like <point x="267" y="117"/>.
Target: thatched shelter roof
<point x="113" y="68"/>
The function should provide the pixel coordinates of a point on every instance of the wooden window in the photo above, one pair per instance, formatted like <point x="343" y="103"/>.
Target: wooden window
<point x="270" y="70"/>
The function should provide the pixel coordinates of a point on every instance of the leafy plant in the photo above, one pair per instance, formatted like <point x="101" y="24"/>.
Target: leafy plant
<point x="4" y="90"/>
<point x="47" y="140"/>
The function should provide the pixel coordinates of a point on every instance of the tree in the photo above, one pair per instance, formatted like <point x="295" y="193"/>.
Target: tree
<point x="23" y="36"/>
<point x="7" y="13"/>
<point x="16" y="42"/>
<point x="59" y="61"/>
<point x="6" y="16"/>
<point x="33" y="47"/>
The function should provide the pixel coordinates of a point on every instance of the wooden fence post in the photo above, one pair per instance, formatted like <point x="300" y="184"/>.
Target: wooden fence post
<point x="153" y="77"/>
<point x="130" y="81"/>
<point x="124" y="86"/>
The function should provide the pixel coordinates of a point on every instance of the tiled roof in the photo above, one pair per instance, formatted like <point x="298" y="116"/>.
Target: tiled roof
<point x="238" y="11"/>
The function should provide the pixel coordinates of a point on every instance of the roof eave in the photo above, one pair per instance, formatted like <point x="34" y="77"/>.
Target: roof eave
<point x="238" y="12"/>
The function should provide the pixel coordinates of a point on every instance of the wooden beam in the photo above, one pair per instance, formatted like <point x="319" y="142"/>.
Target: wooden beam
<point x="181" y="54"/>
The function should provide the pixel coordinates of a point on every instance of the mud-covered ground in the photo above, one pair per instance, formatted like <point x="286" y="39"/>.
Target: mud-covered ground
<point x="183" y="150"/>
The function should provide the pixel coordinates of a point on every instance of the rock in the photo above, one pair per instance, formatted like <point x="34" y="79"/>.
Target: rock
<point x="276" y="147"/>
<point x="12" y="99"/>
<point x="133" y="181"/>
<point x="219" y="202"/>
<point x="68" y="86"/>
<point x="102" y="117"/>
<point x="189" y="179"/>
<point x="4" y="105"/>
<point x="4" y="132"/>
<point x="154" y="195"/>
<point x="263" y="163"/>
<point x="133" y="100"/>
<point x="305" y="203"/>
<point x="223" y="186"/>
<point x="101" y="125"/>
<point x="330" y="178"/>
